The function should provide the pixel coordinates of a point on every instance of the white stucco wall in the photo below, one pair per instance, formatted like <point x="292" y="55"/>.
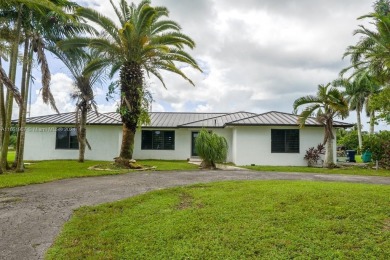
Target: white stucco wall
<point x="247" y="145"/>
<point x="41" y="139"/>
<point x="253" y="146"/>
<point x="182" y="145"/>
<point x="105" y="142"/>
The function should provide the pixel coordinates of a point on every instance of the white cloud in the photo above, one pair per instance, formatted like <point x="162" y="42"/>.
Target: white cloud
<point x="61" y="87"/>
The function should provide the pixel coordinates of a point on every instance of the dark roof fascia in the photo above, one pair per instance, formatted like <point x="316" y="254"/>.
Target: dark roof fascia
<point x="159" y="127"/>
<point x="343" y="126"/>
<point x="336" y="126"/>
<point x="233" y="124"/>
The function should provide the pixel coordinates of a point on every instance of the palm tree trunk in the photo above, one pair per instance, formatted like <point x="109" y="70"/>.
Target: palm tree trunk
<point x="2" y="110"/>
<point x="328" y="141"/>
<point x="131" y="102"/>
<point x="9" y="101"/>
<point x="359" y="126"/>
<point x="329" y="156"/>
<point x="2" y="115"/>
<point x="372" y="122"/>
<point x="23" y="91"/>
<point x="83" y="134"/>
<point x="7" y="127"/>
<point x="23" y="111"/>
<point x="127" y="145"/>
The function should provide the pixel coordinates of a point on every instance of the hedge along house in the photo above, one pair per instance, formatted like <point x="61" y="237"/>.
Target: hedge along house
<point x="272" y="138"/>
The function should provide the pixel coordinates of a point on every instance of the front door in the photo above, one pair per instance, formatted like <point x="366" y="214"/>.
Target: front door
<point x="193" y="150"/>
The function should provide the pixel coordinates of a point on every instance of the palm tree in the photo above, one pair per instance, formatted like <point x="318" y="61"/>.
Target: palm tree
<point x="76" y="61"/>
<point x="40" y="23"/>
<point x="372" y="51"/>
<point x="143" y="43"/>
<point x="325" y="106"/>
<point x="357" y="91"/>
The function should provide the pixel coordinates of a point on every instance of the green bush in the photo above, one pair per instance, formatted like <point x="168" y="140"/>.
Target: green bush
<point x="12" y="141"/>
<point x="385" y="160"/>
<point x="211" y="147"/>
<point x="348" y="139"/>
<point x="379" y="145"/>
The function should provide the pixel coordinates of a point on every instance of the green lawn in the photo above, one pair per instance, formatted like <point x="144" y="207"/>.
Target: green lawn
<point x="46" y="171"/>
<point x="348" y="171"/>
<point x="369" y="171"/>
<point x="235" y="220"/>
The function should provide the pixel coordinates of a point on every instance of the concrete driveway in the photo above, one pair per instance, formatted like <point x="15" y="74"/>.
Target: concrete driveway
<point x="32" y="216"/>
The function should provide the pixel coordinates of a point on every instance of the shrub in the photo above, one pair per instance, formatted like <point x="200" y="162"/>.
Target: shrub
<point x="12" y="140"/>
<point x="379" y="145"/>
<point x="211" y="147"/>
<point x="313" y="155"/>
<point x="385" y="160"/>
<point x="349" y="140"/>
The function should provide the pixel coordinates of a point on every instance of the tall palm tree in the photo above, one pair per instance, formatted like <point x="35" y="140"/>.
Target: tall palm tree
<point x="43" y="22"/>
<point x="372" y="52"/>
<point x="356" y="92"/>
<point x="142" y="43"/>
<point x="325" y="106"/>
<point x="76" y="61"/>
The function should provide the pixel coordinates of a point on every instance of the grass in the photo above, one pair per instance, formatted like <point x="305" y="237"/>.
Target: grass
<point x="46" y="171"/>
<point x="353" y="170"/>
<point x="348" y="171"/>
<point x="235" y="220"/>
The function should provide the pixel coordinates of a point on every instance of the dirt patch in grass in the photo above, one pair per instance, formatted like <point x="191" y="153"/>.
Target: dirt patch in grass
<point x="186" y="201"/>
<point x="386" y="225"/>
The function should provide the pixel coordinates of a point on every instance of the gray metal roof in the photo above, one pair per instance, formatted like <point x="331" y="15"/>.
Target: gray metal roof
<point x="281" y="119"/>
<point x="70" y="119"/>
<point x="186" y="120"/>
<point x="219" y="121"/>
<point x="173" y="119"/>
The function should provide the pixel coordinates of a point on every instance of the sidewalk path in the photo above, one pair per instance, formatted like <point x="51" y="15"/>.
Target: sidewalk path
<point x="32" y="216"/>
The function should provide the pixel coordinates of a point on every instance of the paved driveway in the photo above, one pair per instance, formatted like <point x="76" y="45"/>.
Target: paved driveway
<point x="32" y="216"/>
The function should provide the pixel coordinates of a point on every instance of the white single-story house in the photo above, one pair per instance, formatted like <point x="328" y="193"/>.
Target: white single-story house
<point x="272" y="138"/>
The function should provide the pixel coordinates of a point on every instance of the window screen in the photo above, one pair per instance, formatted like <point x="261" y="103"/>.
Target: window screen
<point x="66" y="138"/>
<point x="284" y="141"/>
<point x="158" y="140"/>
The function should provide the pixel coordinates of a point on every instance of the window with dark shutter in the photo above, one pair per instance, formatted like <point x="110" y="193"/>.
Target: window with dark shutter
<point x="158" y="140"/>
<point x="66" y="138"/>
<point x="284" y="141"/>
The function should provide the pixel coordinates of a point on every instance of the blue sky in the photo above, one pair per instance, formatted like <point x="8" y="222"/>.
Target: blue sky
<point x="257" y="55"/>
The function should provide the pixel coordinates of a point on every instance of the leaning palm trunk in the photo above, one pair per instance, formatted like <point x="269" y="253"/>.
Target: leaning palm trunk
<point x="6" y="130"/>
<point x="130" y="108"/>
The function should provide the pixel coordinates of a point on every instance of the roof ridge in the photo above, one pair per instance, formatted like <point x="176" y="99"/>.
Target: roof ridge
<point x="113" y="118"/>
<point x="197" y="121"/>
<point x="254" y="115"/>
